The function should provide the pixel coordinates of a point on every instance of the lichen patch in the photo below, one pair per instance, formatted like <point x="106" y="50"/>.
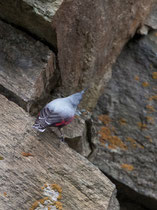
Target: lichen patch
<point x="136" y="78"/>
<point x="52" y="193"/>
<point x="154" y="97"/>
<point x="123" y="121"/>
<point x="142" y="126"/>
<point x="105" y="119"/>
<point x="150" y="108"/>
<point x="127" y="167"/>
<point x="145" y="84"/>
<point x="106" y="136"/>
<point x="154" y="75"/>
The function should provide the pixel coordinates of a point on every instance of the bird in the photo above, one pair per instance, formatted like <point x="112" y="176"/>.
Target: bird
<point x="58" y="113"/>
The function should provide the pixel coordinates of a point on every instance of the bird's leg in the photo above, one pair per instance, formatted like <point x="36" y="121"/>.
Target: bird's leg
<point x="62" y="136"/>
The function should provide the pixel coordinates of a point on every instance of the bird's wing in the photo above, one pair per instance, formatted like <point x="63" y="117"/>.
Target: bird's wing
<point x="47" y="118"/>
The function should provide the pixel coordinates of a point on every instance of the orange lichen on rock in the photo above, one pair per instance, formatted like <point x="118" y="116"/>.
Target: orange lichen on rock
<point x="105" y="119"/>
<point x="42" y="200"/>
<point x="105" y="132"/>
<point x="5" y="194"/>
<point x="56" y="187"/>
<point x="150" y="108"/>
<point x="127" y="167"/>
<point x="154" y="75"/>
<point x="136" y="78"/>
<point x="150" y="119"/>
<point x="35" y="205"/>
<point x="122" y="121"/>
<point x="153" y="98"/>
<point x="59" y="197"/>
<point x="26" y="154"/>
<point x="114" y="141"/>
<point x="58" y="205"/>
<point x="145" y="84"/>
<point x="132" y="141"/>
<point x="38" y="202"/>
<point x="53" y="193"/>
<point x="45" y="185"/>
<point x="142" y="125"/>
<point x="149" y="138"/>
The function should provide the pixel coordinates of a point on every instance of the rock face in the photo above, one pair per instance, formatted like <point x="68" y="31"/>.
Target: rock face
<point x="35" y="172"/>
<point x="33" y="15"/>
<point x="90" y="39"/>
<point x="76" y="136"/>
<point x="87" y="40"/>
<point x="150" y="22"/>
<point x="127" y="113"/>
<point x="26" y="67"/>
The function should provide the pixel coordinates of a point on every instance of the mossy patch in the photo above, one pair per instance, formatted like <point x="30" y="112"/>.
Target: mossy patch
<point x="1" y="158"/>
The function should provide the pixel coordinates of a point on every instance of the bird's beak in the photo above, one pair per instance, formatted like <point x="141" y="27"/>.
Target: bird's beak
<point x="83" y="91"/>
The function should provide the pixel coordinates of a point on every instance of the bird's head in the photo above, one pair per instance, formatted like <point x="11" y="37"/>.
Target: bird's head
<point x="76" y="98"/>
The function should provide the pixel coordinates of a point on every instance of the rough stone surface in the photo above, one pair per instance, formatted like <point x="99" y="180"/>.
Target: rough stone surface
<point x="126" y="120"/>
<point x="90" y="39"/>
<point x="76" y="136"/>
<point x="87" y="40"/>
<point x="30" y="162"/>
<point x="26" y="67"/>
<point x="32" y="15"/>
<point x="151" y="21"/>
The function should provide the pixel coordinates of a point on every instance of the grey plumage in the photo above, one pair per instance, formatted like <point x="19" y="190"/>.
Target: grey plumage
<point x="58" y="112"/>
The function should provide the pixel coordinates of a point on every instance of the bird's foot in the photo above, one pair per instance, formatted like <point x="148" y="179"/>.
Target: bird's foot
<point x="62" y="139"/>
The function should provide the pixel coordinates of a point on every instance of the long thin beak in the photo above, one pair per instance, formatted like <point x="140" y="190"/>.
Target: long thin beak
<point x="83" y="91"/>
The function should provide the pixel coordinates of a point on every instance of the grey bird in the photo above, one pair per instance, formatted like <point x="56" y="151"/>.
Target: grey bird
<point x="58" y="113"/>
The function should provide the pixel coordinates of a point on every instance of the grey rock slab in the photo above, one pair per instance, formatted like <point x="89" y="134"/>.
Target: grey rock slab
<point x="151" y="20"/>
<point x="26" y="66"/>
<point x="33" y="15"/>
<point x="90" y="36"/>
<point x="76" y="136"/>
<point x="34" y="171"/>
<point x="126" y="120"/>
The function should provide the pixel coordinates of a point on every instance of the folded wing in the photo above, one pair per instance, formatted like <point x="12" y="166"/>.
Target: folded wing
<point x="47" y="118"/>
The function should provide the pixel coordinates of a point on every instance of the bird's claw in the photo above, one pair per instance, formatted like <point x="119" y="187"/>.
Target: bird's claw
<point x="62" y="139"/>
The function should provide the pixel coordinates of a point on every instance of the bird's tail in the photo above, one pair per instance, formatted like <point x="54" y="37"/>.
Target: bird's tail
<point x="38" y="127"/>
